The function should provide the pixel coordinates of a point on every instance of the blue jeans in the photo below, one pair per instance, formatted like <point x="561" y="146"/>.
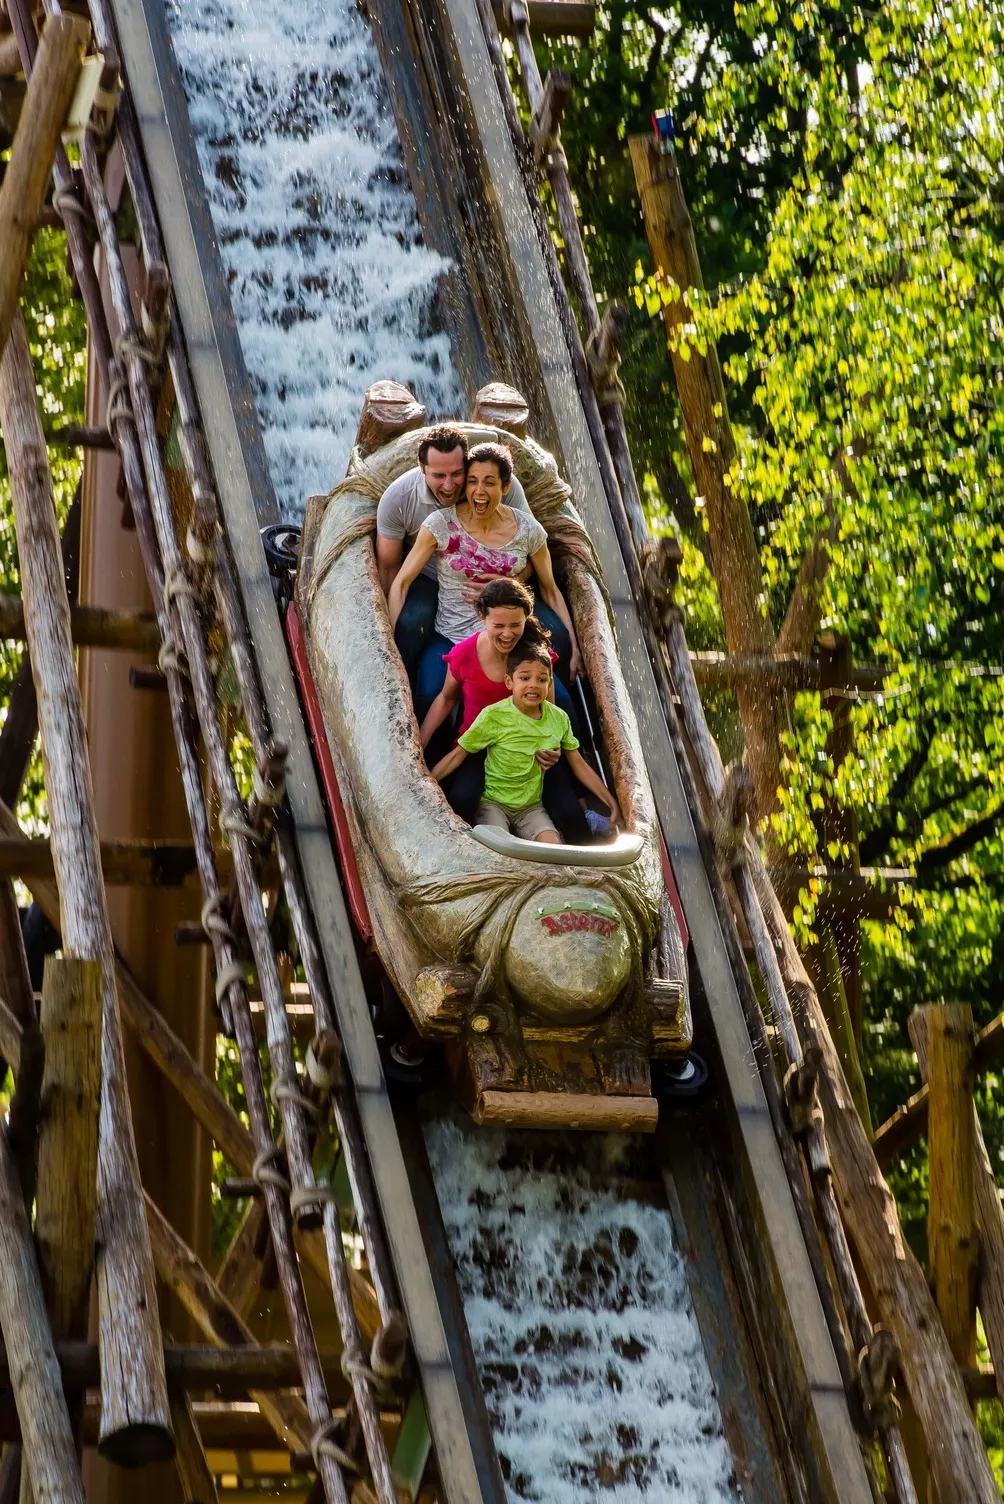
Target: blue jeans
<point x="417" y="623"/>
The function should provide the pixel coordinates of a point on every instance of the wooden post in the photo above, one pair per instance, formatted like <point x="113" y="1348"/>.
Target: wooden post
<point x="943" y="1038"/>
<point x="135" y="1416"/>
<point x="989" y="1212"/>
<point x="23" y="1050"/>
<point x="22" y="192"/>
<point x="712" y="450"/>
<point x="196" y="1476"/>
<point x="840" y="824"/>
<point x="68" y="1150"/>
<point x="49" y="1455"/>
<point x="17" y="738"/>
<point x="68" y="1142"/>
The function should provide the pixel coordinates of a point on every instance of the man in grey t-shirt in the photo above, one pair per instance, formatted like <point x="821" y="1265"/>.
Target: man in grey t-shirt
<point x="436" y="481"/>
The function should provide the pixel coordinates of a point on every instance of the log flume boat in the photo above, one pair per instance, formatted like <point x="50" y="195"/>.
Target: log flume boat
<point x="553" y="974"/>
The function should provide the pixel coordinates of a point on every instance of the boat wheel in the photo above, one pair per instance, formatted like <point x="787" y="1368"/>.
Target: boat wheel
<point x="681" y="1081"/>
<point x="281" y="542"/>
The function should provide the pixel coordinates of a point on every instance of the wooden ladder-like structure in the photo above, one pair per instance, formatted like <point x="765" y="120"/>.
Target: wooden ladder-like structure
<point x="391" y="1373"/>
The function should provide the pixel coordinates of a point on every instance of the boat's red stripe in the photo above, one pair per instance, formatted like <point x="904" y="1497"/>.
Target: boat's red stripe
<point x="671" y="889"/>
<point x="354" y="891"/>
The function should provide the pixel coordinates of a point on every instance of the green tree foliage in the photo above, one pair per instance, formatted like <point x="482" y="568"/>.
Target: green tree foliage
<point x="866" y="349"/>
<point x="844" y="170"/>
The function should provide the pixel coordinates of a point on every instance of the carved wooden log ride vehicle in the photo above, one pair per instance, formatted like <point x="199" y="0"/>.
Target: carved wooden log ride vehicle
<point x="554" y="974"/>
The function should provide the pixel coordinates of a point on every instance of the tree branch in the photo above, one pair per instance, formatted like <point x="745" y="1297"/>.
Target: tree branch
<point x="950" y="851"/>
<point x="805" y="609"/>
<point x="876" y="841"/>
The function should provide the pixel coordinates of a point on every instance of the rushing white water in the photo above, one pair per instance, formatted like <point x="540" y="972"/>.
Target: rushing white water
<point x="581" y="1321"/>
<point x="575" y="1295"/>
<point x="331" y="284"/>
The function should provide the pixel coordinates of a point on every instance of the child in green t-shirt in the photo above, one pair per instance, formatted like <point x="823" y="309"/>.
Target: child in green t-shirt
<point x="515" y="732"/>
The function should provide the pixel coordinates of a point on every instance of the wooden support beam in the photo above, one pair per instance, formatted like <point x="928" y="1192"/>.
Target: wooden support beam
<point x="80" y="436"/>
<point x="49" y="1452"/>
<point x="197" y="1481"/>
<point x="20" y="728"/>
<point x="239" y="1274"/>
<point x="961" y="1199"/>
<point x="232" y="1369"/>
<point x="90" y="627"/>
<point x="223" y="1427"/>
<point x="554" y="18"/>
<point x="68" y="1150"/>
<point x="68" y="1141"/>
<point x="123" y="863"/>
<point x="903" y="1127"/>
<point x="26" y="179"/>
<point x="21" y="1040"/>
<point x="135" y="1414"/>
<point x="785" y="674"/>
<point x="183" y="1273"/>
<point x="10" y="56"/>
<point x="546" y="118"/>
<point x="952" y="1239"/>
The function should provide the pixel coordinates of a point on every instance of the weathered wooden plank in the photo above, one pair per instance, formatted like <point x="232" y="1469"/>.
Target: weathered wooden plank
<point x="239" y="1275"/>
<point x="786" y="674"/>
<point x="26" y="178"/>
<point x="135" y="1414"/>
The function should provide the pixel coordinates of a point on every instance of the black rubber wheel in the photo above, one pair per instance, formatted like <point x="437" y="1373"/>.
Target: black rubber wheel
<point x="680" y="1083"/>
<point x="281" y="542"/>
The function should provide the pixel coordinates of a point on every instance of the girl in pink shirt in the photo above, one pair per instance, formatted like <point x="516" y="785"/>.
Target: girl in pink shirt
<point x="475" y="677"/>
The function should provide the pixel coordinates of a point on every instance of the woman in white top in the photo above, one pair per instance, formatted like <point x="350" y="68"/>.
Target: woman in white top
<point x="478" y="540"/>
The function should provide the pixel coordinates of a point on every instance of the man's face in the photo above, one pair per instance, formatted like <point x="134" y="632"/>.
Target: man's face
<point x="444" y="475"/>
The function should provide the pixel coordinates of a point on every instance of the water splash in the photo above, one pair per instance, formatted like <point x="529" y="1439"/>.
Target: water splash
<point x="581" y="1320"/>
<point x="331" y="284"/>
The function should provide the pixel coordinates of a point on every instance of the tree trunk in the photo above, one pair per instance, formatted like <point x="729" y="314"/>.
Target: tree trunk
<point x="135" y="1415"/>
<point x="49" y="1456"/>
<point x="734" y="553"/>
<point x="22" y="191"/>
